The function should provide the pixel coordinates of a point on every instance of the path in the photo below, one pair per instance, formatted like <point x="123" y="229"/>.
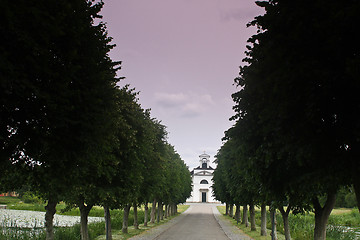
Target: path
<point x="200" y="221"/>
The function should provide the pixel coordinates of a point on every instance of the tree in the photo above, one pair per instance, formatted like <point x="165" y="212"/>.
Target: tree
<point x="296" y="90"/>
<point x="59" y="87"/>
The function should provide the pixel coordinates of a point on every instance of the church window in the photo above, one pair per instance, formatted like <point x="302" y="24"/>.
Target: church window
<point x="204" y="182"/>
<point x="204" y="165"/>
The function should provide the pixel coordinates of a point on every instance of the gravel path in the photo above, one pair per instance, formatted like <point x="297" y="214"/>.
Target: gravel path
<point x="230" y="230"/>
<point x="199" y="221"/>
<point x="35" y="219"/>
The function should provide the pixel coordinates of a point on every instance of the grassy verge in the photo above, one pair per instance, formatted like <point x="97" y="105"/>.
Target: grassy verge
<point x="96" y="230"/>
<point x="246" y="230"/>
<point x="118" y="235"/>
<point x="343" y="224"/>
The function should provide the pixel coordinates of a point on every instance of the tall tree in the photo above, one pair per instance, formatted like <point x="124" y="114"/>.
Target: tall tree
<point x="58" y="88"/>
<point x="296" y="90"/>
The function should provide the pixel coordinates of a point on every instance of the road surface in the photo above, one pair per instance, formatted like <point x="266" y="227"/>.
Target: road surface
<point x="199" y="222"/>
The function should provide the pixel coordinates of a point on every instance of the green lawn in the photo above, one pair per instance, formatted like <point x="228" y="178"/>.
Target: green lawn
<point x="9" y="200"/>
<point x="302" y="225"/>
<point x="246" y="230"/>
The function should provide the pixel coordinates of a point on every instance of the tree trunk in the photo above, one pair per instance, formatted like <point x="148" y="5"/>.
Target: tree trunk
<point x="286" y="227"/>
<point x="146" y="214"/>
<point x="173" y="210"/>
<point x="322" y="215"/>
<point x="263" y="220"/>
<point x="285" y="217"/>
<point x="153" y="212"/>
<point x="357" y="191"/>
<point x="170" y="209"/>
<point x="226" y="209"/>
<point x="107" y="223"/>
<point x="237" y="213"/>
<point x="158" y="212"/>
<point x="166" y="211"/>
<point x="84" y="213"/>
<point x="176" y="210"/>
<point x="162" y="212"/>
<point x="231" y="210"/>
<point x="49" y="217"/>
<point x="245" y="219"/>
<point x="136" y="222"/>
<point x="126" y="219"/>
<point x="273" y="223"/>
<point x="252" y="217"/>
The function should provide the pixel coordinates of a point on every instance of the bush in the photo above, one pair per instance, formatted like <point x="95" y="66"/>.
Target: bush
<point x="345" y="198"/>
<point x="29" y="197"/>
<point x="350" y="200"/>
<point x="351" y="219"/>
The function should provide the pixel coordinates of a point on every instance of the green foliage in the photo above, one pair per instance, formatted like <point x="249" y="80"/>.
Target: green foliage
<point x="67" y="131"/>
<point x="351" y="219"/>
<point x="28" y="206"/>
<point x="340" y="233"/>
<point x="345" y="198"/>
<point x="301" y="225"/>
<point x="292" y="143"/>
<point x="21" y="234"/>
<point x="30" y="197"/>
<point x="71" y="233"/>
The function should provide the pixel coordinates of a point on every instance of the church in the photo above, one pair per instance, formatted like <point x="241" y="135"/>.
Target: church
<point x="202" y="181"/>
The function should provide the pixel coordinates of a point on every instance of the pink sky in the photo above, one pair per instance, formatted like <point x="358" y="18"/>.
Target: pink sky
<point x="183" y="55"/>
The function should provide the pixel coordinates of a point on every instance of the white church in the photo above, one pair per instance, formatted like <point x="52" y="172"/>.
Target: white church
<point x="202" y="181"/>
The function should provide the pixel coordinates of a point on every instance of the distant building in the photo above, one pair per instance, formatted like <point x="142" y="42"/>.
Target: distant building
<point x="9" y="194"/>
<point x="202" y="181"/>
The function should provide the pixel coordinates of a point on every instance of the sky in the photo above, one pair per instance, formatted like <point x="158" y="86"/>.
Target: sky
<point x="183" y="56"/>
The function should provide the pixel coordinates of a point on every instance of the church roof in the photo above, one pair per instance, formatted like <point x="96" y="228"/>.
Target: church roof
<point x="204" y="155"/>
<point x="208" y="168"/>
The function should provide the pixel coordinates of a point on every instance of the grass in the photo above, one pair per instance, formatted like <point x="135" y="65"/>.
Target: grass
<point x="8" y="200"/>
<point x="118" y="235"/>
<point x="96" y="230"/>
<point x="302" y="225"/>
<point x="246" y="230"/>
<point x="340" y="211"/>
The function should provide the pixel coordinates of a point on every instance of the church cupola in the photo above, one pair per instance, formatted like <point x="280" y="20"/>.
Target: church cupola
<point x="204" y="160"/>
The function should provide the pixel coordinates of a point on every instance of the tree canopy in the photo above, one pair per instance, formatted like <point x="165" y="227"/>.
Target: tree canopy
<point x="66" y="127"/>
<point x="297" y="107"/>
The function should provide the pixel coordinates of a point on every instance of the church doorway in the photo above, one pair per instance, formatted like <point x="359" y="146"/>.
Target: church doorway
<point x="203" y="197"/>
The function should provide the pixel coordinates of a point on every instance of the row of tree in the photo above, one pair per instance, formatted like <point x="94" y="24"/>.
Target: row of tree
<point x="296" y="139"/>
<point x="67" y="129"/>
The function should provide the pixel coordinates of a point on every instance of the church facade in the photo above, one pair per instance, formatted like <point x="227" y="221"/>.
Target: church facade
<point x="202" y="181"/>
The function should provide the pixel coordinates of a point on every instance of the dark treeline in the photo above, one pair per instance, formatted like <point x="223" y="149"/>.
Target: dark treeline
<point x="67" y="129"/>
<point x="296" y="139"/>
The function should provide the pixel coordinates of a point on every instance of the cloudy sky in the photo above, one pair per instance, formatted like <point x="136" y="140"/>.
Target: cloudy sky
<point x="182" y="56"/>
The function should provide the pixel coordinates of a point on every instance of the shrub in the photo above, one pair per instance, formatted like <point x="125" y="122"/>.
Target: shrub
<point x="29" y="197"/>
